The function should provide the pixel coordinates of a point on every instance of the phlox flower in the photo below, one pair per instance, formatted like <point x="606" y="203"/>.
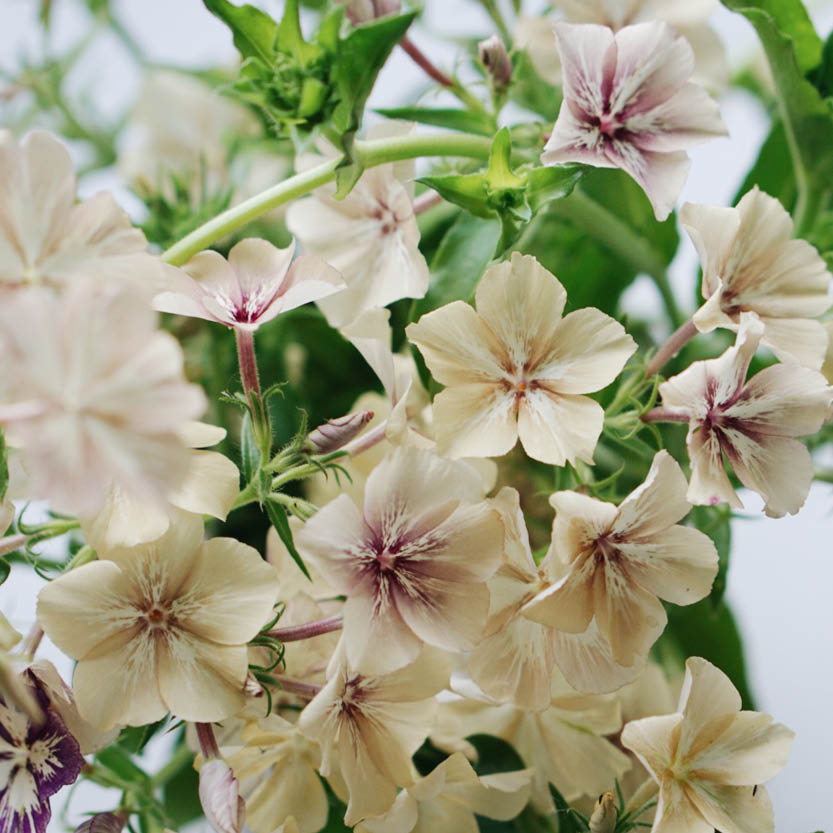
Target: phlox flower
<point x="628" y="103"/>
<point x="369" y="726"/>
<point x="753" y="423"/>
<point x="750" y="264"/>
<point x="710" y="758"/>
<point x="36" y="760"/>
<point x="516" y="368"/>
<point x="622" y="560"/>
<point x="48" y="238"/>
<point x="413" y="562"/>
<point x="371" y="237"/>
<point x="449" y="797"/>
<point x="161" y="627"/>
<point x="514" y="661"/>
<point x="257" y="282"/>
<point x="93" y="395"/>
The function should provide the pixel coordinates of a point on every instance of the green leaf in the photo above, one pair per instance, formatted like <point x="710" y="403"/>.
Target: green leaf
<point x="716" y="522"/>
<point x="5" y="570"/>
<point x="278" y="519"/>
<point x="4" y="466"/>
<point x="119" y="761"/>
<point x="254" y="31"/>
<point x="465" y="190"/>
<point x="461" y="259"/>
<point x="450" y="118"/>
<point x="568" y="820"/>
<point x="180" y="796"/>
<point x="290" y="39"/>
<point x="135" y="738"/>
<point x="772" y="171"/>
<point x="531" y="91"/>
<point x="551" y="183"/>
<point x="494" y="755"/>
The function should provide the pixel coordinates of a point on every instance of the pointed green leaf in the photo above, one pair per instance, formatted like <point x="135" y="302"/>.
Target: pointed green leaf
<point x="278" y="519"/>
<point x="450" y="118"/>
<point x="551" y="183"/>
<point x="499" y="174"/>
<point x="290" y="38"/>
<point x="249" y="454"/>
<point x="254" y="31"/>
<point x="465" y="190"/>
<point x="569" y="821"/>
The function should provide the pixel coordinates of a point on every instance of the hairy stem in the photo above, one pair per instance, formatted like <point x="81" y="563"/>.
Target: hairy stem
<point x="208" y="743"/>
<point x="370" y="153"/>
<point x="294" y="633"/>
<point x="663" y="415"/>
<point x="248" y="363"/>
<point x="676" y="341"/>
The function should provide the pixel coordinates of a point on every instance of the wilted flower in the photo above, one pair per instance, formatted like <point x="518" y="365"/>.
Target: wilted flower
<point x="449" y="797"/>
<point x="48" y="238"/>
<point x="161" y="627"/>
<point x="621" y="559"/>
<point x="370" y="726"/>
<point x="628" y="104"/>
<point x="210" y="487"/>
<point x="516" y="367"/>
<point x="710" y="758"/>
<point x="493" y="55"/>
<point x="93" y="395"/>
<point x="413" y="563"/>
<point x="750" y="264"/>
<point x="371" y="237"/>
<point x="36" y="760"/>
<point x="257" y="282"/>
<point x="754" y="423"/>
<point x="220" y="797"/>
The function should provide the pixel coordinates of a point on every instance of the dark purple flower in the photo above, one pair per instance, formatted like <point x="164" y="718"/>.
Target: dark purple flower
<point x="36" y="760"/>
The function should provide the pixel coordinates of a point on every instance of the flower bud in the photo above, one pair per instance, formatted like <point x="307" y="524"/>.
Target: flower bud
<point x="603" y="818"/>
<point x="220" y="797"/>
<point x="102" y="823"/>
<point x="336" y="433"/>
<point x="495" y="58"/>
<point x="361" y="11"/>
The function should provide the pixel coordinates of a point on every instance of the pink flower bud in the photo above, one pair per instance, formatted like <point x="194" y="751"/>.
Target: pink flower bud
<point x="220" y="797"/>
<point x="495" y="58"/>
<point x="603" y="818"/>
<point x="336" y="433"/>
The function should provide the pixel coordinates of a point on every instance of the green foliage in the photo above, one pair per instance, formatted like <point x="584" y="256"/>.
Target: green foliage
<point x="569" y="820"/>
<point x="530" y="91"/>
<point x="469" y="121"/>
<point x="772" y="171"/>
<point x="494" y="755"/>
<point x="278" y="519"/>
<point x="716" y="522"/>
<point x="180" y="795"/>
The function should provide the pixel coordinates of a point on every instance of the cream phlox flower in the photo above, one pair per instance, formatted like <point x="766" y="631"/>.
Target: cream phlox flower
<point x="370" y="726"/>
<point x="449" y="797"/>
<point x="514" y="661"/>
<point x="371" y="237"/>
<point x="161" y="627"/>
<point x="628" y="103"/>
<point x="210" y="487"/>
<point x="710" y="757"/>
<point x="564" y="744"/>
<point x="48" y="238"/>
<point x="621" y="559"/>
<point x="93" y="395"/>
<point x="413" y="562"/>
<point x="750" y="264"/>
<point x="516" y="368"/>
<point x="753" y="423"/>
<point x="277" y="769"/>
<point x="257" y="282"/>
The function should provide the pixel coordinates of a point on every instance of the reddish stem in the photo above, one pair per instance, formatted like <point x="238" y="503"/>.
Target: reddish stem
<point x="425" y="201"/>
<point x="208" y="743"/>
<point x="663" y="415"/>
<point x="294" y="633"/>
<point x="424" y="63"/>
<point x="308" y="690"/>
<point x="247" y="361"/>
<point x="677" y="340"/>
<point x="32" y="641"/>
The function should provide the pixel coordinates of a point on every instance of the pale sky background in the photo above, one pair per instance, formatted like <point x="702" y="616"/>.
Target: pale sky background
<point x="781" y="571"/>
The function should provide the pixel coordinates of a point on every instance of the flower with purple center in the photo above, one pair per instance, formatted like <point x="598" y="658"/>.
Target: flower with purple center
<point x="628" y="103"/>
<point x="36" y="760"/>
<point x="255" y="284"/>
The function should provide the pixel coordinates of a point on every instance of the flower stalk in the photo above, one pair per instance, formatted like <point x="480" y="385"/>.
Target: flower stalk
<point x="677" y="340"/>
<point x="294" y="633"/>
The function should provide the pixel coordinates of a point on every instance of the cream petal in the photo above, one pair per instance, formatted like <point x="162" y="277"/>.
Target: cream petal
<point x="709" y="484"/>
<point x="372" y="791"/>
<point x="733" y="809"/>
<point x="210" y="486"/>
<point x="517" y="552"/>
<point x="259" y="266"/>
<point x="201" y="681"/>
<point x="587" y="352"/>
<point x="228" y="594"/>
<point x="457" y="345"/>
<point x="422" y="679"/>
<point x="710" y="316"/>
<point x="675" y="813"/>
<point x="678" y="564"/>
<point x="371" y="335"/>
<point x="117" y="682"/>
<point x="568" y="605"/>
<point x="86" y="606"/>
<point x="309" y="279"/>
<point x="652" y="740"/>
<point x="661" y="175"/>
<point x="579" y="520"/>
<point x="587" y="54"/>
<point x="655" y="505"/>
<point x="712" y="229"/>
<point x="400" y="818"/>
<point x="200" y="434"/>
<point x="707" y="695"/>
<point x="522" y="304"/>
<point x="556" y="428"/>
<point x="801" y="340"/>
<point x="124" y="521"/>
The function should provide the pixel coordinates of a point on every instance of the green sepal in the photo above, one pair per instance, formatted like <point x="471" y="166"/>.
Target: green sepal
<point x="569" y="820"/>
<point x="253" y="31"/>
<point x="451" y="118"/>
<point x="279" y="520"/>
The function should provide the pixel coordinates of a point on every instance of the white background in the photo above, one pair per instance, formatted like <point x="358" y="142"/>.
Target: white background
<point x="781" y="573"/>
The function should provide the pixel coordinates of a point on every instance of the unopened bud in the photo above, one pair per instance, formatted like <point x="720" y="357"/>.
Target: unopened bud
<point x="603" y="818"/>
<point x="495" y="58"/>
<point x="336" y="433"/>
<point x="102" y="823"/>
<point x="219" y="791"/>
<point x="361" y="11"/>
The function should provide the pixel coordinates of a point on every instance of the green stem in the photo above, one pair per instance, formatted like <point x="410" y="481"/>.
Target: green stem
<point x="621" y="239"/>
<point x="370" y="153"/>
